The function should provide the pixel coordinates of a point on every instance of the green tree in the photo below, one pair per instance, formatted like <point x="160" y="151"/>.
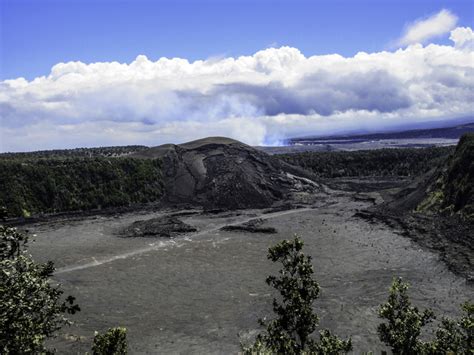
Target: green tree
<point x="112" y="342"/>
<point x="32" y="308"/>
<point x="403" y="321"/>
<point x="455" y="336"/>
<point x="290" y="332"/>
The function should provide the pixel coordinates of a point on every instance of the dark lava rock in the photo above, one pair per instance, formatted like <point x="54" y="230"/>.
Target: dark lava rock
<point x="166" y="226"/>
<point x="253" y="226"/>
<point x="224" y="174"/>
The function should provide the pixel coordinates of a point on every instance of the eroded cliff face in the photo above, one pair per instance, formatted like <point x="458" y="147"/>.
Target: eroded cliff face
<point x="223" y="173"/>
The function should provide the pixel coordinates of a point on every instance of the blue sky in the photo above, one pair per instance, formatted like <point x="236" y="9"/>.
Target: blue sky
<point x="36" y="34"/>
<point x="97" y="73"/>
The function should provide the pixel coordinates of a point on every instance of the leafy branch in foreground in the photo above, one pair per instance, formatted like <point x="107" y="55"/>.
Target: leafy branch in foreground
<point x="290" y="332"/>
<point x="404" y="321"/>
<point x="455" y="336"/>
<point x="32" y="308"/>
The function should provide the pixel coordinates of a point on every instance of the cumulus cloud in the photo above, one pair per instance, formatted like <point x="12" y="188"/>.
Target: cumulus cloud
<point x="463" y="37"/>
<point x="422" y="30"/>
<point x="260" y="99"/>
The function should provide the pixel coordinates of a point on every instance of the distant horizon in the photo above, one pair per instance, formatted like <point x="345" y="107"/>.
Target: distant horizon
<point x="348" y="135"/>
<point x="101" y="73"/>
<point x="424" y="126"/>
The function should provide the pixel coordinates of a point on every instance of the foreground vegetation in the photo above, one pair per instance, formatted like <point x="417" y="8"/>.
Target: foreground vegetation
<point x="32" y="308"/>
<point x="56" y="185"/>
<point x="291" y="331"/>
<point x="379" y="162"/>
<point x="112" y="342"/>
<point x="404" y="324"/>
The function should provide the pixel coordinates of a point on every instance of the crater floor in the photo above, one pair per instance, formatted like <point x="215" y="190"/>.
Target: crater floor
<point x="203" y="292"/>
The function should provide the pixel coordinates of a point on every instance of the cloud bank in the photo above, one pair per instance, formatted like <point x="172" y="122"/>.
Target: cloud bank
<point x="260" y="99"/>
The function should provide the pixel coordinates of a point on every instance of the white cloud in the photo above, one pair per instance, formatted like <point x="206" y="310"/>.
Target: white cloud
<point x="274" y="94"/>
<point x="463" y="37"/>
<point x="422" y="30"/>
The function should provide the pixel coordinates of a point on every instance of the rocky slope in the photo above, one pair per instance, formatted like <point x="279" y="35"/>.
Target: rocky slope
<point x="437" y="209"/>
<point x="447" y="189"/>
<point x="222" y="173"/>
<point x="453" y="189"/>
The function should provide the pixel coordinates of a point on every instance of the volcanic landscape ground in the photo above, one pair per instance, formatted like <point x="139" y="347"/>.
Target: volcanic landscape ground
<point x="202" y="292"/>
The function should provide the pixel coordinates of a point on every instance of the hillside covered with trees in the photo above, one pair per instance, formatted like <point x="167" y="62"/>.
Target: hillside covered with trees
<point x="381" y="162"/>
<point x="55" y="185"/>
<point x="116" y="151"/>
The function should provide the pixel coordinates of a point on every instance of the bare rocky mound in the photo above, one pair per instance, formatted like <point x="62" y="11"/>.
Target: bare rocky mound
<point x="223" y="173"/>
<point x="166" y="227"/>
<point x="252" y="226"/>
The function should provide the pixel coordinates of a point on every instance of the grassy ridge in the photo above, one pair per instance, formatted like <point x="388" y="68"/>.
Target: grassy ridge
<point x="380" y="162"/>
<point x="54" y="185"/>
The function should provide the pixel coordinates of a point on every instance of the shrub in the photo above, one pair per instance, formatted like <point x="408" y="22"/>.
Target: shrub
<point x="455" y="336"/>
<point x="290" y="332"/>
<point x="31" y="306"/>
<point x="404" y="322"/>
<point x="112" y="342"/>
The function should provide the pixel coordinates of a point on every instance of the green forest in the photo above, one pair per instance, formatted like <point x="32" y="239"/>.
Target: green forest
<point x="54" y="185"/>
<point x="116" y="151"/>
<point x="380" y="162"/>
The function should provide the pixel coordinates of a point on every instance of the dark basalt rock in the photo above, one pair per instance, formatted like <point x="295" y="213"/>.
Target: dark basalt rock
<point x="224" y="174"/>
<point x="167" y="227"/>
<point x="252" y="226"/>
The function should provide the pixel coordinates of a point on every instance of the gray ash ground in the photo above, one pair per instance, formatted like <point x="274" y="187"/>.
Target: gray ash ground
<point x="203" y="292"/>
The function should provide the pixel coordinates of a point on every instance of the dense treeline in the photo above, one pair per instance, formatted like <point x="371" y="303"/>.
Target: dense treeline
<point x="380" y="162"/>
<point x="54" y="185"/>
<point x="116" y="151"/>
